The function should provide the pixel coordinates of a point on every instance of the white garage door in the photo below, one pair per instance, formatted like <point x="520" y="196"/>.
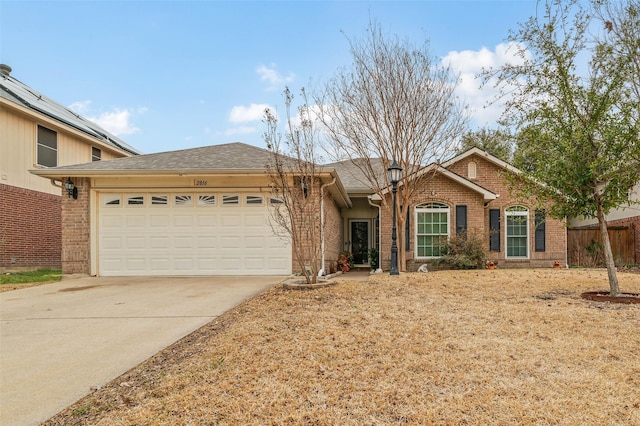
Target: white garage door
<point x="188" y="234"/>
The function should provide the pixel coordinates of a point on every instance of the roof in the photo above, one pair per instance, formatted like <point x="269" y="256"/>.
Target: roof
<point x="230" y="157"/>
<point x="484" y="154"/>
<point x="225" y="159"/>
<point x="19" y="93"/>
<point x="354" y="179"/>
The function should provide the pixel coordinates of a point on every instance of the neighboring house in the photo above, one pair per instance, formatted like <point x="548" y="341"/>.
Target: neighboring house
<point x="622" y="217"/>
<point x="205" y="211"/>
<point x="36" y="132"/>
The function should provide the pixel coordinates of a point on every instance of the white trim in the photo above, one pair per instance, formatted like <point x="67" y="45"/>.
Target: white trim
<point x="507" y="214"/>
<point x="422" y="208"/>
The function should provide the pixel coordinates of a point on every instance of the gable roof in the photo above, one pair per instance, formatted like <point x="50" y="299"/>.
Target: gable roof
<point x="226" y="159"/>
<point x="13" y="90"/>
<point x="436" y="168"/>
<point x="484" y="154"/>
<point x="231" y="157"/>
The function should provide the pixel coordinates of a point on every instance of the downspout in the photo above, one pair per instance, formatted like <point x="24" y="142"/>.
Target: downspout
<point x="321" y="272"/>
<point x="53" y="182"/>
<point x="379" y="270"/>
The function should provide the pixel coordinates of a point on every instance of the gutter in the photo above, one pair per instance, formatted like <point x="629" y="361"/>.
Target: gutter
<point x="321" y="272"/>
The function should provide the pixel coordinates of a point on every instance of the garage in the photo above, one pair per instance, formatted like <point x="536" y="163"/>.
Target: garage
<point x="188" y="233"/>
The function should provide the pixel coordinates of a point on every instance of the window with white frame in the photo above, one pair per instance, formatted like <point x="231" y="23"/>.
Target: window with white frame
<point x="432" y="229"/>
<point x="517" y="232"/>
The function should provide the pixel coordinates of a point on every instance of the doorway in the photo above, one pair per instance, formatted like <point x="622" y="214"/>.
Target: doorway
<point x="359" y="234"/>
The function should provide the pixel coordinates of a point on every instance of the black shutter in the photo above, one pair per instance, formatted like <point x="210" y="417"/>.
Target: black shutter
<point x="407" y="232"/>
<point x="494" y="229"/>
<point x="540" y="236"/>
<point x="461" y="219"/>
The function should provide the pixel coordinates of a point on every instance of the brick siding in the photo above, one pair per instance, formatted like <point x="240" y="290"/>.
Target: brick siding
<point x="30" y="229"/>
<point x="440" y="189"/>
<point x="76" y="240"/>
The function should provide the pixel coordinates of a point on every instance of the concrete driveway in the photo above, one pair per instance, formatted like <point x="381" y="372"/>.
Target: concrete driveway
<point x="57" y="341"/>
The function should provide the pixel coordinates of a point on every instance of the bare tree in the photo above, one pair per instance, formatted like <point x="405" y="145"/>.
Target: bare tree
<point x="295" y="201"/>
<point x="395" y="103"/>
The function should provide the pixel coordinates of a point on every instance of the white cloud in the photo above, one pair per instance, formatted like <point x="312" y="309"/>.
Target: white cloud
<point x="244" y="114"/>
<point x="117" y="121"/>
<point x="273" y="77"/>
<point x="483" y="107"/>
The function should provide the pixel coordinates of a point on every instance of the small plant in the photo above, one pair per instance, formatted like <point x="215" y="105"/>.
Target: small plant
<point x="595" y="252"/>
<point x="345" y="261"/>
<point x="373" y="258"/>
<point x="81" y="411"/>
<point x="464" y="251"/>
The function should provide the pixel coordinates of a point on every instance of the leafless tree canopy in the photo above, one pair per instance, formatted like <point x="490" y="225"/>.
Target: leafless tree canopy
<point x="395" y="102"/>
<point x="295" y="201"/>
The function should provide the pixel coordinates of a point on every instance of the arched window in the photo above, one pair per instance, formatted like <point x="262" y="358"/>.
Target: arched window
<point x="471" y="170"/>
<point x="517" y="232"/>
<point x="432" y="229"/>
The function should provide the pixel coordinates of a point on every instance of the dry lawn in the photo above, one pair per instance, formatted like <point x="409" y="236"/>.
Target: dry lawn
<point x="452" y="347"/>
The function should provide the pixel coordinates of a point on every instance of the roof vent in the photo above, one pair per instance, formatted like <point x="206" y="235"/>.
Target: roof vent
<point x="5" y="69"/>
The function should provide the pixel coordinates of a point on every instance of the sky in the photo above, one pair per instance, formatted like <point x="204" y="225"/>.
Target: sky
<point x="165" y="75"/>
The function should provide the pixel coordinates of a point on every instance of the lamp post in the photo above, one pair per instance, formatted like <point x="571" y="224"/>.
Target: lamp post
<point x="394" y="173"/>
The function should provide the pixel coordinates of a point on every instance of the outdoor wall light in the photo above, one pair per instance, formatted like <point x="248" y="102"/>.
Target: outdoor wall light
<point x="394" y="175"/>
<point x="71" y="189"/>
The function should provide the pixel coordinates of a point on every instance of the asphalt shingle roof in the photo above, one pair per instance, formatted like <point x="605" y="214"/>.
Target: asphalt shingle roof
<point x="231" y="156"/>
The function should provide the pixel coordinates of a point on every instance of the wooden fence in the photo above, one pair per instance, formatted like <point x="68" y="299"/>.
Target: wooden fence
<point x="584" y="246"/>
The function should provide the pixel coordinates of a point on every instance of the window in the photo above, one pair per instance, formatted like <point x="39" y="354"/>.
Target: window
<point x="230" y="200"/>
<point x="432" y="229"/>
<point x="159" y="200"/>
<point x="47" y="147"/>
<point x="517" y="232"/>
<point x="182" y="200"/>
<point x="471" y="170"/>
<point x="254" y="200"/>
<point x="96" y="154"/>
<point x="135" y="200"/>
<point x="111" y="199"/>
<point x="207" y="200"/>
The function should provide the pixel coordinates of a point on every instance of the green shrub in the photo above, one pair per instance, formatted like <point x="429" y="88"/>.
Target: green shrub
<point x="464" y="251"/>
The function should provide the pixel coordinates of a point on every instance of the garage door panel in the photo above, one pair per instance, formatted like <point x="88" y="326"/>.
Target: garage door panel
<point x="160" y="221"/>
<point x="136" y="221"/>
<point x="189" y="239"/>
<point x="183" y="220"/>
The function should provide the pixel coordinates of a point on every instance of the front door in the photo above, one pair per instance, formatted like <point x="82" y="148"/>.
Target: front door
<point x="359" y="230"/>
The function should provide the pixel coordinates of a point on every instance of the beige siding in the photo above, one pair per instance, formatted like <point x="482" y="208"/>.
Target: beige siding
<point x="18" y="133"/>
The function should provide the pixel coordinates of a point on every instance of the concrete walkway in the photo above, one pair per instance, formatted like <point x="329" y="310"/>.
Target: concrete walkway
<point x="57" y="341"/>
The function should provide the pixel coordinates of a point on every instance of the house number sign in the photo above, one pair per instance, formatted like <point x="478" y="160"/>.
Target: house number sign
<point x="200" y="182"/>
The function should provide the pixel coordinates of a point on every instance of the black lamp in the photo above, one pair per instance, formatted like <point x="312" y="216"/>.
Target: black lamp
<point x="71" y="189"/>
<point x="394" y="173"/>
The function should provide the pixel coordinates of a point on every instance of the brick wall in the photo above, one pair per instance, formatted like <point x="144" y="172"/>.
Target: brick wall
<point x="332" y="234"/>
<point x="30" y="229"/>
<point x="489" y="176"/>
<point x="76" y="243"/>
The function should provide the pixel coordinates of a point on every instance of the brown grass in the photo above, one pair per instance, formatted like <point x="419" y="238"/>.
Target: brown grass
<point x="475" y="347"/>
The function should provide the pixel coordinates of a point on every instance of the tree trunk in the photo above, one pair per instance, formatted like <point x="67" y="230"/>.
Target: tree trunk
<point x="614" y="289"/>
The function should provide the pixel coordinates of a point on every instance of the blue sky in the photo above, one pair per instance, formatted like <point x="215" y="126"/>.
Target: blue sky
<point x="166" y="75"/>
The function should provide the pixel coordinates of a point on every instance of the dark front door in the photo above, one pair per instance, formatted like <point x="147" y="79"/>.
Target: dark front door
<point x="360" y="241"/>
